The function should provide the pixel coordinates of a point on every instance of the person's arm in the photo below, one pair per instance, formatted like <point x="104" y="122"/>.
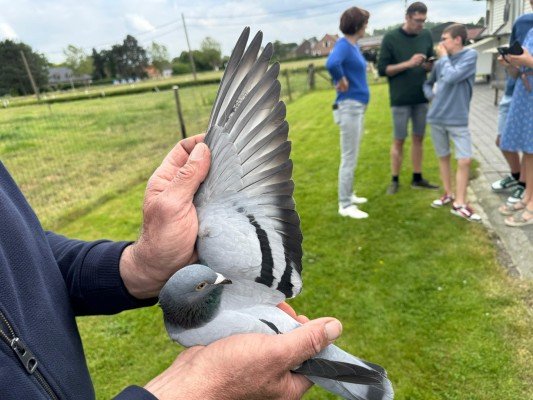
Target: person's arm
<point x="92" y="276"/>
<point x="334" y="62"/>
<point x="334" y="66"/>
<point x="386" y="59"/>
<point x="249" y="366"/>
<point x="523" y="60"/>
<point x="429" y="83"/>
<point x="461" y="70"/>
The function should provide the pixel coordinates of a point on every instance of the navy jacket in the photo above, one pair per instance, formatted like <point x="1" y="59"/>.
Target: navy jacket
<point x="46" y="280"/>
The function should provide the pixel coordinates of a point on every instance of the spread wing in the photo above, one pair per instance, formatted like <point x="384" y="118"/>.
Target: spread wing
<point x="248" y="226"/>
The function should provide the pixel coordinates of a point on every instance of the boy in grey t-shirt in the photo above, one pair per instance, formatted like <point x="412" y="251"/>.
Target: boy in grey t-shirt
<point x="450" y="88"/>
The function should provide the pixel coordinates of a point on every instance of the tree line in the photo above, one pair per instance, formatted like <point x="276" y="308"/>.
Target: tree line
<point x="122" y="61"/>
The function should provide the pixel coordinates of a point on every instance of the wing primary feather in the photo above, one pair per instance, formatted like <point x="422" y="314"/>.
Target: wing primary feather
<point x="235" y="94"/>
<point x="340" y="371"/>
<point x="233" y="63"/>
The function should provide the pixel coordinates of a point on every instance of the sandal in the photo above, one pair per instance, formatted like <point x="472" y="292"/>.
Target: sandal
<point x="519" y="218"/>
<point x="511" y="208"/>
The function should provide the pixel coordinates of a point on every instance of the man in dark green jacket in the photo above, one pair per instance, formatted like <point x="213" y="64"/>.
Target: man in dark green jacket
<point x="405" y="57"/>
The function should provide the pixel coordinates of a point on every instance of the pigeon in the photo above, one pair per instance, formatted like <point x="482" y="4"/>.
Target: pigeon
<point x="249" y="237"/>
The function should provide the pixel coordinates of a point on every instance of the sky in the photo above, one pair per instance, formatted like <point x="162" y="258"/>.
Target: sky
<point x="49" y="26"/>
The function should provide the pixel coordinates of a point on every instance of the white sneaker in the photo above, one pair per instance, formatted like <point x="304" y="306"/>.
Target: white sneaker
<point x="352" y="212"/>
<point x="358" y="200"/>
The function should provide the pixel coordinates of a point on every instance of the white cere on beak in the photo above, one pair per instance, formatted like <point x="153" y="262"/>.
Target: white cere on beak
<point x="220" y="278"/>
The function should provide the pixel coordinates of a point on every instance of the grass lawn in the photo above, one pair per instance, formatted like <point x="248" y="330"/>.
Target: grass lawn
<point x="418" y="290"/>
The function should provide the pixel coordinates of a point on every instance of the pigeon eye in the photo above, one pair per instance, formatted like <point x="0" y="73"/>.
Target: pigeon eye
<point x="201" y="285"/>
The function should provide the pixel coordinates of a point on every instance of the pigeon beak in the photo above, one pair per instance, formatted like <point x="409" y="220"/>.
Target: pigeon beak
<point x="221" y="280"/>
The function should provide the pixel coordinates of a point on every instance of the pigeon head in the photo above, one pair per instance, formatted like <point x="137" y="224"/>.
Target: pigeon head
<point x="191" y="296"/>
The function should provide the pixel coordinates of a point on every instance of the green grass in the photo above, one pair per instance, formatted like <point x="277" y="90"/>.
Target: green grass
<point x="418" y="290"/>
<point x="70" y="157"/>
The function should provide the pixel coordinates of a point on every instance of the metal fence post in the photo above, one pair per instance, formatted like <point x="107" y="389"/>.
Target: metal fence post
<point x="178" y="109"/>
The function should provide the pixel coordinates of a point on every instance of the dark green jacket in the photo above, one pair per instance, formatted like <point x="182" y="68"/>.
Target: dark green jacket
<point x="398" y="46"/>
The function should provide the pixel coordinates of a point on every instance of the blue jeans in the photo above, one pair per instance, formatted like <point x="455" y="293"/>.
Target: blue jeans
<point x="350" y="117"/>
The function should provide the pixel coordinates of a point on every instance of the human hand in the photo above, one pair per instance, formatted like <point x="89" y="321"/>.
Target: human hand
<point x="342" y="85"/>
<point x="416" y="60"/>
<point x="523" y="60"/>
<point x="286" y="308"/>
<point x="441" y="50"/>
<point x="170" y="224"/>
<point x="248" y="367"/>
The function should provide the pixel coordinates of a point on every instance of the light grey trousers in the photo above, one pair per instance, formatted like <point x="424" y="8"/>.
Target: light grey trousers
<point x="350" y="118"/>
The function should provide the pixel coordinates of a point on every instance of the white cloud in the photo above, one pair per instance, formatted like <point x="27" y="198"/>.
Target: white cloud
<point x="139" y="23"/>
<point x="7" y="32"/>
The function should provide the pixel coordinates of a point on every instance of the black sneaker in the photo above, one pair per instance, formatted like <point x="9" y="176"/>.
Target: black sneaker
<point x="423" y="184"/>
<point x="393" y="187"/>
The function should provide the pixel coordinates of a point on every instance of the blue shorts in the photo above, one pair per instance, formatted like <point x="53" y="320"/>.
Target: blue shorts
<point x="401" y="116"/>
<point x="459" y="135"/>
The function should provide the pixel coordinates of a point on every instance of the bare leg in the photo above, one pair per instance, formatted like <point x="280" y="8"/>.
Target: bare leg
<point x="528" y="196"/>
<point x="523" y="170"/>
<point x="445" y="173"/>
<point x="463" y="169"/>
<point x="416" y="152"/>
<point x="396" y="156"/>
<point x="512" y="158"/>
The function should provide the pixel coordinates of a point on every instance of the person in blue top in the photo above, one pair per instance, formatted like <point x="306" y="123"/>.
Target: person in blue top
<point x="516" y="180"/>
<point x="47" y="280"/>
<point x="347" y="67"/>
<point x="518" y="131"/>
<point x="450" y="88"/>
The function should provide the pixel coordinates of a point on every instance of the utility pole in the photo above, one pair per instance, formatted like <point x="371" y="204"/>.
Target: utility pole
<point x="35" y="89"/>
<point x="191" y="59"/>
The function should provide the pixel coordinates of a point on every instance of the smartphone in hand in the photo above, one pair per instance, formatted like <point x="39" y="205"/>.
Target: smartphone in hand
<point x="515" y="49"/>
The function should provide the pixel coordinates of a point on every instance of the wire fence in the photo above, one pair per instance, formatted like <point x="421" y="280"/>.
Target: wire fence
<point x="69" y="157"/>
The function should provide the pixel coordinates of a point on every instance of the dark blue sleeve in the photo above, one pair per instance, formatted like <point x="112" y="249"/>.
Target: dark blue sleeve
<point x="135" y="393"/>
<point x="92" y="276"/>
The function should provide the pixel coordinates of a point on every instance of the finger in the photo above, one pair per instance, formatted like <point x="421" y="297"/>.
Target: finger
<point x="178" y="156"/>
<point x="302" y="319"/>
<point x="191" y="174"/>
<point x="306" y="341"/>
<point x="286" y="308"/>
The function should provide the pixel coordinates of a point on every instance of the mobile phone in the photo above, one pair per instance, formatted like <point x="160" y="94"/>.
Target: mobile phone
<point x="431" y="59"/>
<point x="515" y="49"/>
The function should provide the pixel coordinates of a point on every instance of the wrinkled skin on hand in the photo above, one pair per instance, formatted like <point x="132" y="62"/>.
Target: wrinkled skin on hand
<point x="170" y="224"/>
<point x="247" y="367"/>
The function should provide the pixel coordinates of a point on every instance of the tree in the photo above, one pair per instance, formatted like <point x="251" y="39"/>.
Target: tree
<point x="77" y="60"/>
<point x="127" y="60"/>
<point x="13" y="76"/>
<point x="99" y="65"/>
<point x="159" y="56"/>
<point x="211" y="53"/>
<point x="283" y="51"/>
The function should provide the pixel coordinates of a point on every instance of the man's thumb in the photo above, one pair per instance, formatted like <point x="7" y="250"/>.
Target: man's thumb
<point x="311" y="338"/>
<point x="193" y="172"/>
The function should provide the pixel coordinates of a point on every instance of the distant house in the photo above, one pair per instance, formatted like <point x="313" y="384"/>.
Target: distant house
<point x="152" y="72"/>
<point x="324" y="46"/>
<point x="306" y="47"/>
<point x="63" y="75"/>
<point x="499" y="18"/>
